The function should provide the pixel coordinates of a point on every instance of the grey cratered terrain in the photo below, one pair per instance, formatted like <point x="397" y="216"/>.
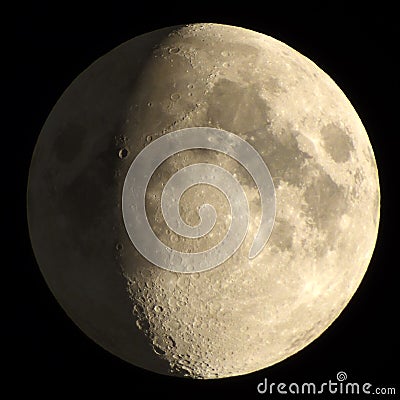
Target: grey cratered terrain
<point x="245" y="314"/>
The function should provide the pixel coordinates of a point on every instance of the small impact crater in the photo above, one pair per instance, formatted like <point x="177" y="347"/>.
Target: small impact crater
<point x="123" y="153"/>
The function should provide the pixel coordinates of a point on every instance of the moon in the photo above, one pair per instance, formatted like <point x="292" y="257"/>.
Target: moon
<point x="243" y="314"/>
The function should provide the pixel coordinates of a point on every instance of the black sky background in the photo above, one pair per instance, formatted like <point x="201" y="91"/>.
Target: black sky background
<point x="46" y="47"/>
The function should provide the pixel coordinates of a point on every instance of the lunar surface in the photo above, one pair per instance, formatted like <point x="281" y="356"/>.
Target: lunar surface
<point x="244" y="314"/>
